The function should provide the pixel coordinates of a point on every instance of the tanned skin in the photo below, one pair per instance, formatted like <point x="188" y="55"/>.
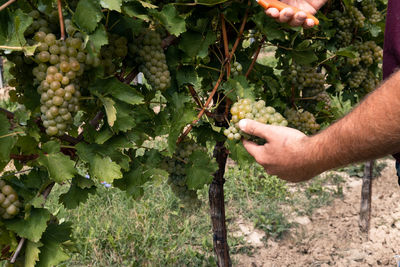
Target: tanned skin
<point x="287" y="15"/>
<point x="370" y="131"/>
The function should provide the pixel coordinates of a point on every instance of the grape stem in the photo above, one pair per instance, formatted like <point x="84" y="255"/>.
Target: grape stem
<point x="15" y="173"/>
<point x="60" y="15"/>
<point x="195" y="95"/>
<point x="6" y="4"/>
<point x="10" y="134"/>
<point x="18" y="250"/>
<point x="253" y="62"/>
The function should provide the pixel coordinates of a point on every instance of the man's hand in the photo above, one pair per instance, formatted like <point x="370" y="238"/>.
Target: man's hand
<point x="287" y="15"/>
<point x="284" y="154"/>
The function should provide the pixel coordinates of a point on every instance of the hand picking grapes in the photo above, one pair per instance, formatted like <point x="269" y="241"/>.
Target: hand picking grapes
<point x="367" y="132"/>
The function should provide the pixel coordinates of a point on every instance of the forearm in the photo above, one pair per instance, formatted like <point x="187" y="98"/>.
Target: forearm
<point x="371" y="130"/>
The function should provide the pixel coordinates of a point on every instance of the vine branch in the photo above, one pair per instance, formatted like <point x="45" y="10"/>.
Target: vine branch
<point x="241" y="30"/>
<point x="6" y="4"/>
<point x="61" y="18"/>
<point x="253" y="62"/>
<point x="190" y="127"/>
<point x="226" y="46"/>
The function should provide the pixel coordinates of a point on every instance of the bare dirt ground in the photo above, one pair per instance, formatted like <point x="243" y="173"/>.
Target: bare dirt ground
<point x="331" y="236"/>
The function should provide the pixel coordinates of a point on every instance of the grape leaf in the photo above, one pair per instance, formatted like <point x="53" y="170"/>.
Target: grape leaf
<point x="52" y="252"/>
<point x="119" y="90"/>
<point x="147" y="5"/>
<point x="304" y="57"/>
<point x="238" y="153"/>
<point x="33" y="227"/>
<point x="196" y="44"/>
<point x="59" y="166"/>
<point x="75" y="196"/>
<point x="104" y="169"/>
<point x="170" y="18"/>
<point x="12" y="28"/>
<point x="135" y="9"/>
<point x="87" y="15"/>
<point x="32" y="253"/>
<point x="125" y="117"/>
<point x="269" y="27"/>
<point x="111" y="112"/>
<point x="51" y="147"/>
<point x="111" y="4"/>
<point x="98" y="38"/>
<point x="188" y="75"/>
<point x="199" y="171"/>
<point x="6" y="142"/>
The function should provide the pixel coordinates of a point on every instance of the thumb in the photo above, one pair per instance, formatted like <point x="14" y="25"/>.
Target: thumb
<point x="258" y="129"/>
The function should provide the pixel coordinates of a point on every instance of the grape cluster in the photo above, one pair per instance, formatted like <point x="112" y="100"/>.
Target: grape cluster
<point x="39" y="24"/>
<point x="9" y="203"/>
<point x="236" y="68"/>
<point x="370" y="10"/>
<point x="357" y="16"/>
<point x="248" y="109"/>
<point x="308" y="78"/>
<point x="61" y="65"/>
<point x="153" y="61"/>
<point x="344" y="34"/>
<point x="324" y="97"/>
<point x="57" y="68"/>
<point x="114" y="53"/>
<point x="175" y="166"/>
<point x="302" y="120"/>
<point x="371" y="82"/>
<point x="357" y="77"/>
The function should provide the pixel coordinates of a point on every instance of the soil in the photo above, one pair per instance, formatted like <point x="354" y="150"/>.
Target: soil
<point x="331" y="236"/>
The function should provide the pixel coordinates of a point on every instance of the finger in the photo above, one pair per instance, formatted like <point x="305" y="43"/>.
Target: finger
<point x="286" y="14"/>
<point x="254" y="150"/>
<point x="272" y="12"/>
<point x="254" y="128"/>
<point x="298" y="19"/>
<point x="308" y="23"/>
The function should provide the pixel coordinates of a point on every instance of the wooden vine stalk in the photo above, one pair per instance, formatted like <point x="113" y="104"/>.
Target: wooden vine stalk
<point x="217" y="207"/>
<point x="366" y="193"/>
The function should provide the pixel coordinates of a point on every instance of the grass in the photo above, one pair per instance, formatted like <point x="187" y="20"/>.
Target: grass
<point x="111" y="229"/>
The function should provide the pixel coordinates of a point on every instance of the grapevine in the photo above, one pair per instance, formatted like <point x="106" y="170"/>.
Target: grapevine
<point x="83" y="109"/>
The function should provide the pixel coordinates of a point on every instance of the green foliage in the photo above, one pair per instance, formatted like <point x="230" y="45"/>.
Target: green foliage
<point x="98" y="127"/>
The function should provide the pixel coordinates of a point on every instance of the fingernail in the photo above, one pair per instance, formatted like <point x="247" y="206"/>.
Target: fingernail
<point x="242" y="124"/>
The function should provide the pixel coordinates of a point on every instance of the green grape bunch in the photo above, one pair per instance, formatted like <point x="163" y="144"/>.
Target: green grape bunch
<point x="246" y="108"/>
<point x="302" y="120"/>
<point x="9" y="202"/>
<point x="153" y="63"/>
<point x="113" y="53"/>
<point x="236" y="68"/>
<point x="324" y="98"/>
<point x="307" y="79"/>
<point x="57" y="68"/>
<point x="175" y="166"/>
